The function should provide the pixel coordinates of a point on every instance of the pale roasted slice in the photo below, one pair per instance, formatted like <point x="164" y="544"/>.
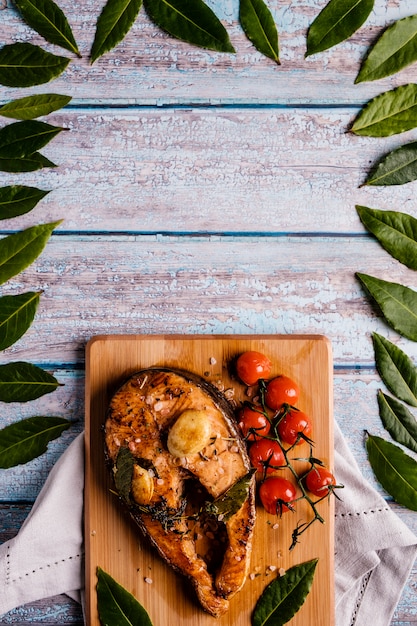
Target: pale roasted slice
<point x="172" y="444"/>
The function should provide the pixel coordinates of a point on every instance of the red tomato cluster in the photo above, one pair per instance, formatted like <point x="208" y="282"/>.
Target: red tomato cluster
<point x="272" y="426"/>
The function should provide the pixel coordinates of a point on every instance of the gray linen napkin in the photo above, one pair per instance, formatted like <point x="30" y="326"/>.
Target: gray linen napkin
<point x="374" y="549"/>
<point x="45" y="558"/>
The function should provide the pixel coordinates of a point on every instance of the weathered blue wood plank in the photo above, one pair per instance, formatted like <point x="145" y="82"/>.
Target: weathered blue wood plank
<point x="59" y="610"/>
<point x="149" y="67"/>
<point x="152" y="285"/>
<point x="211" y="170"/>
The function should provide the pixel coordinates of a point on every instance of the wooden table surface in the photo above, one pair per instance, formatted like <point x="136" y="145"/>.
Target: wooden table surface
<point x="204" y="192"/>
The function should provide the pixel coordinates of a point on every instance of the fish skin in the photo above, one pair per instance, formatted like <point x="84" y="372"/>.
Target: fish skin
<point x="139" y="417"/>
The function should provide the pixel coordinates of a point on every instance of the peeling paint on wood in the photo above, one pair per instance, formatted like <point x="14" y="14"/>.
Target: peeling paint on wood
<point x="212" y="170"/>
<point x="204" y="285"/>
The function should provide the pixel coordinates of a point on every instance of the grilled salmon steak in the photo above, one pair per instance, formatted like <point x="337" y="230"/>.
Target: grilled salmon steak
<point x="181" y="467"/>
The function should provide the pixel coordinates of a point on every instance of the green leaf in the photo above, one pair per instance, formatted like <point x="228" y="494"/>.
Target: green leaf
<point x="16" y="315"/>
<point x="284" y="596"/>
<point x="396" y="369"/>
<point x="231" y="501"/>
<point x="124" y="473"/>
<point x="336" y="22"/>
<point x="398" y="421"/>
<point x="48" y="20"/>
<point x="26" y="65"/>
<point x="395" y="49"/>
<point x="114" y="22"/>
<point x="18" y="199"/>
<point x="24" y="441"/>
<point x="35" y="161"/>
<point x="34" y="106"/>
<point x="193" y="22"/>
<point x="389" y="113"/>
<point x="395" y="231"/>
<point x="397" y="167"/>
<point x="398" y="304"/>
<point x="116" y="605"/>
<point x="19" y="250"/>
<point x="395" y="470"/>
<point x="259" y="26"/>
<point x="22" y="382"/>
<point x="21" y="139"/>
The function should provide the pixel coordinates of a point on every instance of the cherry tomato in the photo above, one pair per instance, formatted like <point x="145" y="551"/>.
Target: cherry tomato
<point x="266" y="455"/>
<point x="253" y="423"/>
<point x="318" y="481"/>
<point x="251" y="366"/>
<point x="276" y="493"/>
<point x="293" y="423"/>
<point x="281" y="390"/>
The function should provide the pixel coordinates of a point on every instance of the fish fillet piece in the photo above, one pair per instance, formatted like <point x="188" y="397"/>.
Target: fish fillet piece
<point x="166" y="492"/>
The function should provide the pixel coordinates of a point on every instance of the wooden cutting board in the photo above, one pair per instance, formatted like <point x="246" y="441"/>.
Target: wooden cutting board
<point x="113" y="542"/>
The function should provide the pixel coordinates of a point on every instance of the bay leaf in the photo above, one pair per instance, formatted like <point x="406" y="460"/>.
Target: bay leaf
<point x="396" y="369"/>
<point x="336" y="22"/>
<point x="26" y="440"/>
<point x="395" y="470"/>
<point x="26" y="65"/>
<point x="193" y="22"/>
<point x="116" y="605"/>
<point x="114" y="22"/>
<point x="19" y="250"/>
<point x="29" y="107"/>
<point x="284" y="596"/>
<point x="396" y="168"/>
<point x="31" y="163"/>
<point x="124" y="473"/>
<point x="395" y="231"/>
<point x="231" y="501"/>
<point x="394" y="49"/>
<point x="21" y="139"/>
<point x="16" y="316"/>
<point x="19" y="199"/>
<point x="398" y="421"/>
<point x="22" y="382"/>
<point x="387" y="114"/>
<point x="258" y="24"/>
<point x="50" y="21"/>
<point x="398" y="304"/>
